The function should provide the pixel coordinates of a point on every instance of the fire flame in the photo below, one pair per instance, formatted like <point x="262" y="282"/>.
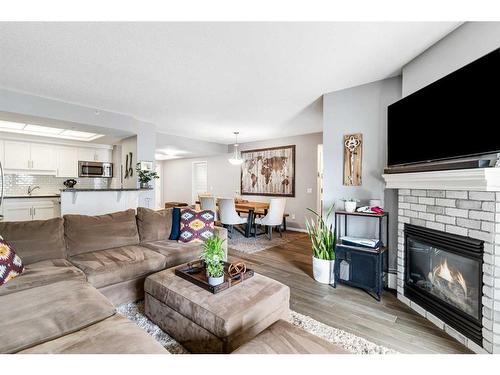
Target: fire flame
<point x="450" y="275"/>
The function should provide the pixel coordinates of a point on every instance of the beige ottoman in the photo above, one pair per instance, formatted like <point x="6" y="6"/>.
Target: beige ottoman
<point x="285" y="338"/>
<point x="214" y="323"/>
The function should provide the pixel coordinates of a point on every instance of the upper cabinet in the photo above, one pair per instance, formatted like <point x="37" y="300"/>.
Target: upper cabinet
<point x="46" y="158"/>
<point x="29" y="156"/>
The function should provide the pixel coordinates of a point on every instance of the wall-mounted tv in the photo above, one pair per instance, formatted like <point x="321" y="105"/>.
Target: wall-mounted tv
<point x="454" y="117"/>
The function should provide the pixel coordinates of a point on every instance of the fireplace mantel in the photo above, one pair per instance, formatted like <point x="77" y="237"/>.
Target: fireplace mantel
<point x="479" y="179"/>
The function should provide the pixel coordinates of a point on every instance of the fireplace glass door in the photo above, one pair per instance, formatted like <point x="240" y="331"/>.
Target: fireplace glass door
<point x="449" y="277"/>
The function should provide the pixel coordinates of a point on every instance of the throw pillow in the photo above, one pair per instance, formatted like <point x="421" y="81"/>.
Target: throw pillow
<point x="10" y="263"/>
<point x="176" y="224"/>
<point x="196" y="226"/>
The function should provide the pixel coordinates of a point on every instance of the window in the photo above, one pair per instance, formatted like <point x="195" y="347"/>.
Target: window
<point x="199" y="180"/>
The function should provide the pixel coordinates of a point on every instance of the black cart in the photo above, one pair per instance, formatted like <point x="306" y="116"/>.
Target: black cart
<point x="359" y="266"/>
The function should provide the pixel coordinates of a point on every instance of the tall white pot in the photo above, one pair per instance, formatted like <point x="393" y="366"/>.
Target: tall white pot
<point x="323" y="270"/>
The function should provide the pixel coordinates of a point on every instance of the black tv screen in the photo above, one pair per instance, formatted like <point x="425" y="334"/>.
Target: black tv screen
<point x="456" y="116"/>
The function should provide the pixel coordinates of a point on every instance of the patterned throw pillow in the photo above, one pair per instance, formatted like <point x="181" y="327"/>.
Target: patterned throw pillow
<point x="196" y="226"/>
<point x="10" y="263"/>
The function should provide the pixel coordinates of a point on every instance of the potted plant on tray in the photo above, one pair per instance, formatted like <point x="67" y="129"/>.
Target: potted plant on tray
<point x="145" y="176"/>
<point x="323" y="240"/>
<point x="213" y="256"/>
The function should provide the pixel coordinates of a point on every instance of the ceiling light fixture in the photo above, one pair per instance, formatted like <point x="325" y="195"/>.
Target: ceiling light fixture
<point x="47" y="131"/>
<point x="236" y="159"/>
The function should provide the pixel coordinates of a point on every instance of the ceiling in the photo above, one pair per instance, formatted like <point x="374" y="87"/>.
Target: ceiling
<point x="206" y="80"/>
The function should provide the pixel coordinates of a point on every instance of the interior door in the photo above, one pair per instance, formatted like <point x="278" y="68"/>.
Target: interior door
<point x="43" y="157"/>
<point x="17" y="155"/>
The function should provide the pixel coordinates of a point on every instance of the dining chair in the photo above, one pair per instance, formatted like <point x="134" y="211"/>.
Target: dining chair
<point x="209" y="203"/>
<point x="228" y="216"/>
<point x="274" y="217"/>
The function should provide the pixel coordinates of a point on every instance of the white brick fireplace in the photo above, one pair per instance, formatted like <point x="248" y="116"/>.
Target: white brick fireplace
<point x="462" y="202"/>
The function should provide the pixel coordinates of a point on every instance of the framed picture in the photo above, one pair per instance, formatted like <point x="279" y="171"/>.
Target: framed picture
<point x="269" y="171"/>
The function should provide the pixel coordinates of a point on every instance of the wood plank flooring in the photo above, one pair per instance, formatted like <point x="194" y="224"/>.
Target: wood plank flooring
<point x="389" y="323"/>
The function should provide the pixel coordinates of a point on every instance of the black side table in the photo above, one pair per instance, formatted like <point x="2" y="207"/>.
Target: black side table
<point x="359" y="266"/>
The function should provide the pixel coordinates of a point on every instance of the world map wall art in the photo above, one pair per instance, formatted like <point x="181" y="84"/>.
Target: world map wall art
<point x="269" y="171"/>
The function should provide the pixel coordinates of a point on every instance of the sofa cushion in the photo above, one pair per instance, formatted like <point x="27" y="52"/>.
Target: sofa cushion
<point x="43" y="273"/>
<point x="86" y="234"/>
<point x="284" y="338"/>
<point x="196" y="226"/>
<point x="11" y="265"/>
<point x="175" y="252"/>
<point x="114" y="335"/>
<point x="36" y="315"/>
<point x="154" y="225"/>
<point x="111" y="266"/>
<point x="45" y="240"/>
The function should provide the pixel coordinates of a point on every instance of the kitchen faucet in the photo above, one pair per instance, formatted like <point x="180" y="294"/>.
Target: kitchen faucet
<point x="31" y="190"/>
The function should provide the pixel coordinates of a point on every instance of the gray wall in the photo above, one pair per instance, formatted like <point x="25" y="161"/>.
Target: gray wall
<point x="361" y="109"/>
<point x="224" y="178"/>
<point x="462" y="46"/>
<point x="31" y="105"/>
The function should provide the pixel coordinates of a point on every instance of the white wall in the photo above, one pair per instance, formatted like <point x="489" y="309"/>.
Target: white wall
<point x="361" y="109"/>
<point x="31" y="105"/>
<point x="462" y="46"/>
<point x="224" y="178"/>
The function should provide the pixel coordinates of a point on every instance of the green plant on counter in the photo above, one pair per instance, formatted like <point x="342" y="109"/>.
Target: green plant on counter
<point x="145" y="176"/>
<point x="213" y="255"/>
<point x="322" y="235"/>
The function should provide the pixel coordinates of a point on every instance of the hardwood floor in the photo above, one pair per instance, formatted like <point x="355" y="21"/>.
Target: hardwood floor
<point x="389" y="323"/>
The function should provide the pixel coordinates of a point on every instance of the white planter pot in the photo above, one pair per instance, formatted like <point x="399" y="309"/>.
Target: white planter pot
<point x="350" y="206"/>
<point x="323" y="270"/>
<point x="215" y="280"/>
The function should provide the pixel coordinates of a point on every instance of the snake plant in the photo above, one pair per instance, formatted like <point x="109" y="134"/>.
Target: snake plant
<point x="322" y="235"/>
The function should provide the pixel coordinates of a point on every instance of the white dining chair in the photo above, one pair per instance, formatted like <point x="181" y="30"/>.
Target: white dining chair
<point x="209" y="203"/>
<point x="273" y="218"/>
<point x="228" y="216"/>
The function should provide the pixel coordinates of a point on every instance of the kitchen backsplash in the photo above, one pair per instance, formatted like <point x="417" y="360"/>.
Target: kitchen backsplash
<point x="17" y="184"/>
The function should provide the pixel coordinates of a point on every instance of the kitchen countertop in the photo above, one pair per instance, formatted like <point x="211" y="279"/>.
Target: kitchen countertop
<point x="32" y="196"/>
<point x="102" y="189"/>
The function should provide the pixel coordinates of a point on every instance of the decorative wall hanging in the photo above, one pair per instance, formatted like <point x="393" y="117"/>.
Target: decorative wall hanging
<point x="269" y="171"/>
<point x="353" y="155"/>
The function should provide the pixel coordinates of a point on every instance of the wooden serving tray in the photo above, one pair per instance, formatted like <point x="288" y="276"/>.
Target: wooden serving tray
<point x="195" y="272"/>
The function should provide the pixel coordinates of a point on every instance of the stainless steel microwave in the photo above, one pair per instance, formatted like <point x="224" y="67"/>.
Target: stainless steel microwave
<point x="95" y="169"/>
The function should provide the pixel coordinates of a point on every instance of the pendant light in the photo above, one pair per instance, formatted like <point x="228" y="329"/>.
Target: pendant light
<point x="236" y="159"/>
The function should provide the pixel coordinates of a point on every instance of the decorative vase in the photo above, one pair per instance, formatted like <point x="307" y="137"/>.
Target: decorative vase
<point x="323" y="270"/>
<point x="144" y="185"/>
<point x="214" y="281"/>
<point x="350" y="206"/>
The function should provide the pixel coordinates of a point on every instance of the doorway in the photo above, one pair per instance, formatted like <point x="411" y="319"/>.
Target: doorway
<point x="199" y="180"/>
<point x="319" y="184"/>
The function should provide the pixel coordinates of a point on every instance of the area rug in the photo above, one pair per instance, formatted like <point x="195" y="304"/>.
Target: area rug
<point x="354" y="344"/>
<point x="253" y="245"/>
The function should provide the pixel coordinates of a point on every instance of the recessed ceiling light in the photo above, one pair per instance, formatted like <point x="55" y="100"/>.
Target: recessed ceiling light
<point x="47" y="131"/>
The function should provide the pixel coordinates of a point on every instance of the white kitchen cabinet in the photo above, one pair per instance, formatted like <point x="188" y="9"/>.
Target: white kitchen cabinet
<point x="42" y="157"/>
<point x="67" y="162"/>
<point x="94" y="154"/>
<point x="103" y="155"/>
<point x="17" y="155"/>
<point x="25" y="209"/>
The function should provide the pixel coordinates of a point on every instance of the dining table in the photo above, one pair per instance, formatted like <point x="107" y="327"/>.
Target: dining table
<point x="252" y="209"/>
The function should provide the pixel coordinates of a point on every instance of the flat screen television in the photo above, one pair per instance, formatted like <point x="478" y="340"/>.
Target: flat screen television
<point x="454" y="117"/>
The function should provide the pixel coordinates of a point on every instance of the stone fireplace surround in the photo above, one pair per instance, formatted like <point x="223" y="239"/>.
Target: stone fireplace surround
<point x="463" y="202"/>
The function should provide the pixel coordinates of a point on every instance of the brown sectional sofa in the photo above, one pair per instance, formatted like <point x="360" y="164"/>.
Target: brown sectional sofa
<point x="77" y="267"/>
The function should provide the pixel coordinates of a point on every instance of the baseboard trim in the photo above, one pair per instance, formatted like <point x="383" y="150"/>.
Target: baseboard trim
<point x="296" y="229"/>
<point x="392" y="281"/>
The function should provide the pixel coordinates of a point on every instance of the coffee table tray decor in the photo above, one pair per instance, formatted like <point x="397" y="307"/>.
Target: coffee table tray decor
<point x="195" y="272"/>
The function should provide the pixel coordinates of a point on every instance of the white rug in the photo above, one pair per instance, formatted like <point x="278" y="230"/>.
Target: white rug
<point x="350" y="342"/>
<point x="253" y="245"/>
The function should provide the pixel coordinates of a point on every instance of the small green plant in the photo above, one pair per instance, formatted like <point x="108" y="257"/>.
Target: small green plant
<point x="322" y="235"/>
<point x="145" y="176"/>
<point x="213" y="255"/>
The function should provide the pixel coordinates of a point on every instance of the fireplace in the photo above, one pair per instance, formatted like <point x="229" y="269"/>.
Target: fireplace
<point x="443" y="274"/>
